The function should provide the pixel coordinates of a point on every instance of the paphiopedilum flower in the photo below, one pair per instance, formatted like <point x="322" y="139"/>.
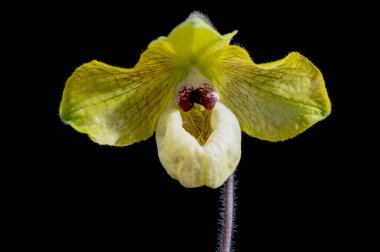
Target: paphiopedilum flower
<point x="197" y="92"/>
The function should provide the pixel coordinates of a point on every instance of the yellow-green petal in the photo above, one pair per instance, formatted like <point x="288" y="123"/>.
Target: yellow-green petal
<point x="117" y="106"/>
<point x="194" y="39"/>
<point x="273" y="101"/>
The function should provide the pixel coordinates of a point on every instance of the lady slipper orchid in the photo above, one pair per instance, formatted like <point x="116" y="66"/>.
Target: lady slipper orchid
<point x="197" y="92"/>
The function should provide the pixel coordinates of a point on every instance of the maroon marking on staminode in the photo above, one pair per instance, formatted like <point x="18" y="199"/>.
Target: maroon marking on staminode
<point x="204" y="95"/>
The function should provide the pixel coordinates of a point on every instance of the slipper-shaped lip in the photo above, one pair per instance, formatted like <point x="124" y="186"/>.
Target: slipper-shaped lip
<point x="192" y="164"/>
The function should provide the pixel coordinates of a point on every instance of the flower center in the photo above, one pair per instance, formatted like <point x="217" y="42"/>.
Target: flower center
<point x="204" y="95"/>
<point x="196" y="89"/>
<point x="197" y="122"/>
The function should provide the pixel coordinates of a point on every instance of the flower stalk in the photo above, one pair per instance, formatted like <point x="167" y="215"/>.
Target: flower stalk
<point x="227" y="215"/>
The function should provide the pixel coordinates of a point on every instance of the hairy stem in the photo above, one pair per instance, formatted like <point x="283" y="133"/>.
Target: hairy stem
<point x="228" y="215"/>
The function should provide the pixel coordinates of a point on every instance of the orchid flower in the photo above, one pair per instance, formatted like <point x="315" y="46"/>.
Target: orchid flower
<point x="197" y="93"/>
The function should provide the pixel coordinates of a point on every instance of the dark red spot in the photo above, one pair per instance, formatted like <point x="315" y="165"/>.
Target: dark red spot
<point x="205" y="95"/>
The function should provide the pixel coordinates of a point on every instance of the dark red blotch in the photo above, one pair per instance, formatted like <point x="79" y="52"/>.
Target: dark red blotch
<point x="189" y="95"/>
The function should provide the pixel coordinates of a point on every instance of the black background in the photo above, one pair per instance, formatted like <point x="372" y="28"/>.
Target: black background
<point x="291" y="195"/>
